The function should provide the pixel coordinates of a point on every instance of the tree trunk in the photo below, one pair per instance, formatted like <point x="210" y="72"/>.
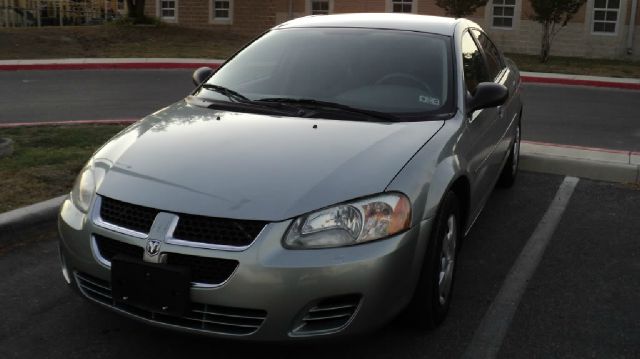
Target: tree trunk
<point x="140" y="9"/>
<point x="545" y="47"/>
<point x="135" y="9"/>
<point x="131" y="9"/>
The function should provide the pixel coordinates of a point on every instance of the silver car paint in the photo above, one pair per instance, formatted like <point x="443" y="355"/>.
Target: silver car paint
<point x="453" y="153"/>
<point x="254" y="166"/>
<point x="283" y="282"/>
<point x="422" y="160"/>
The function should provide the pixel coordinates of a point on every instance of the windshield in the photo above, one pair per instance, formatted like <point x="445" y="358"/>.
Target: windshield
<point x="395" y="72"/>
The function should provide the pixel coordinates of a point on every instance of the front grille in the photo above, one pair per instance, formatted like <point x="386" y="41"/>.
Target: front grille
<point x="127" y="215"/>
<point x="192" y="228"/>
<point x="201" y="317"/>
<point x="204" y="269"/>
<point x="220" y="231"/>
<point x="328" y="315"/>
<point x="109" y="248"/>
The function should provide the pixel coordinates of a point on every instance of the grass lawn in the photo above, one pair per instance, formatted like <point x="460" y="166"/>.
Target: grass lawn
<point x="175" y="41"/>
<point x="578" y="66"/>
<point x="46" y="160"/>
<point x="117" y="41"/>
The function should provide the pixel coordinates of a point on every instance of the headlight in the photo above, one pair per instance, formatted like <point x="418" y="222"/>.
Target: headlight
<point x="351" y="223"/>
<point x="84" y="189"/>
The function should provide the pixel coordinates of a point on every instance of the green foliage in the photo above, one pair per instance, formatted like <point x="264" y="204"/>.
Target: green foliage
<point x="553" y="15"/>
<point x="136" y="10"/>
<point x="555" y="11"/>
<point x="129" y="21"/>
<point x="460" y="8"/>
<point x="46" y="160"/>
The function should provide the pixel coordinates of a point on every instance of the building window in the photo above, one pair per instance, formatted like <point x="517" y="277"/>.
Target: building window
<point x="503" y="12"/>
<point x="320" y="7"/>
<point x="121" y="5"/>
<point x="402" y="6"/>
<point x="222" y="11"/>
<point x="167" y="9"/>
<point x="605" y="16"/>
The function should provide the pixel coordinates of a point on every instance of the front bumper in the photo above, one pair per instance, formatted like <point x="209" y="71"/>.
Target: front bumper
<point x="273" y="292"/>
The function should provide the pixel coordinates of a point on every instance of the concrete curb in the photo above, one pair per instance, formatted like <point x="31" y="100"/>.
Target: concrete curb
<point x="592" y="163"/>
<point x="30" y="215"/>
<point x="178" y="63"/>
<point x="585" y="162"/>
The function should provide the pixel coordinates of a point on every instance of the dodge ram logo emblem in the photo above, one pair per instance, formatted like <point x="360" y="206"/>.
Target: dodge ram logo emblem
<point x="153" y="247"/>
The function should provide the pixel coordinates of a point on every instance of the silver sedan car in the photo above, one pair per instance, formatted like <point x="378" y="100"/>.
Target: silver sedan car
<point x="317" y="184"/>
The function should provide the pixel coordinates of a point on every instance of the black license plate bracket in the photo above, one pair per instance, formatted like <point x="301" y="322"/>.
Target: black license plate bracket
<point x="155" y="287"/>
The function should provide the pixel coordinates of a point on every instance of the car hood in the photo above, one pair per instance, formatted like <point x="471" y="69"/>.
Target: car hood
<point x="189" y="159"/>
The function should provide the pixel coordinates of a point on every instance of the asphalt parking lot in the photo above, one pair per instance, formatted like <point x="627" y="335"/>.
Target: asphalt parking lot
<point x="572" y="115"/>
<point x="581" y="301"/>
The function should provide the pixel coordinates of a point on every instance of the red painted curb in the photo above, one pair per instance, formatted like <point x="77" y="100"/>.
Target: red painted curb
<point x="574" y="82"/>
<point x="124" y="121"/>
<point x="107" y="66"/>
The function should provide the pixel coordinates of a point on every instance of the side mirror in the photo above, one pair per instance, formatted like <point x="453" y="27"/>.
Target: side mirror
<point x="202" y="74"/>
<point x="488" y="94"/>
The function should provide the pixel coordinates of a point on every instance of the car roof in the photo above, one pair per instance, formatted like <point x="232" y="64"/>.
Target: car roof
<point x="396" y="21"/>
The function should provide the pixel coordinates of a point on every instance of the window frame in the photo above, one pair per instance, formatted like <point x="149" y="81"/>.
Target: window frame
<point x="480" y="50"/>
<point x="309" y="6"/>
<point x="414" y="6"/>
<point x="514" y="17"/>
<point x="619" y="11"/>
<point x="501" y="62"/>
<point x="159" y="8"/>
<point x="220" y="20"/>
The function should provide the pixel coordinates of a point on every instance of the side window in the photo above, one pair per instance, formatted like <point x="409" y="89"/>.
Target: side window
<point x="491" y="53"/>
<point x="475" y="70"/>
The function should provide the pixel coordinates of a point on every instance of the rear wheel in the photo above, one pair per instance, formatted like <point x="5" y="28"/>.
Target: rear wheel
<point x="510" y="170"/>
<point x="432" y="297"/>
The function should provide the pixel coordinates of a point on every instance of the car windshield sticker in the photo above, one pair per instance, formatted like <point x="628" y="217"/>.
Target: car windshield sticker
<point x="430" y="100"/>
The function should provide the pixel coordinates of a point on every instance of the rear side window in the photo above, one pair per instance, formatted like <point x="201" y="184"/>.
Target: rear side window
<point x="475" y="70"/>
<point x="492" y="55"/>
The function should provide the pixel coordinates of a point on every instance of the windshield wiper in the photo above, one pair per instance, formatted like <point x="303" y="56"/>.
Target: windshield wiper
<point x="232" y="95"/>
<point x="331" y="105"/>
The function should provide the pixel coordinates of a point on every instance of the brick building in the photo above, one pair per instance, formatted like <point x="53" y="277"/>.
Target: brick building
<point x="600" y="29"/>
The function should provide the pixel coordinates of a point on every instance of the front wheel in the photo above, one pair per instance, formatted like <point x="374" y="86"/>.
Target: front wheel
<point x="432" y="298"/>
<point x="510" y="170"/>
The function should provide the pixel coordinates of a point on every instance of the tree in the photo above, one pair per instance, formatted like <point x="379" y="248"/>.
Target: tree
<point x="460" y="8"/>
<point x="553" y="15"/>
<point x="136" y="10"/>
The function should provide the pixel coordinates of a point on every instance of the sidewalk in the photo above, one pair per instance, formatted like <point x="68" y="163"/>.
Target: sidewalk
<point x="107" y="63"/>
<point x="178" y="63"/>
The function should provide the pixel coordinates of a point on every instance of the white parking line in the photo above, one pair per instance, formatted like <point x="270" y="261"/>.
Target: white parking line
<point x="489" y="335"/>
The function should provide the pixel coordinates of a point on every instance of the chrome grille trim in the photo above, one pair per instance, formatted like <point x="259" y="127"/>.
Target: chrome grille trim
<point x="170" y="239"/>
<point x="202" y="318"/>
<point x="181" y="242"/>
<point x="327" y="316"/>
<point x="96" y="253"/>
<point x="107" y="264"/>
<point x="98" y="221"/>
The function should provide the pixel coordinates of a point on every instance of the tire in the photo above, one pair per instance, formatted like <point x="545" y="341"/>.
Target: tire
<point x="510" y="169"/>
<point x="432" y="297"/>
